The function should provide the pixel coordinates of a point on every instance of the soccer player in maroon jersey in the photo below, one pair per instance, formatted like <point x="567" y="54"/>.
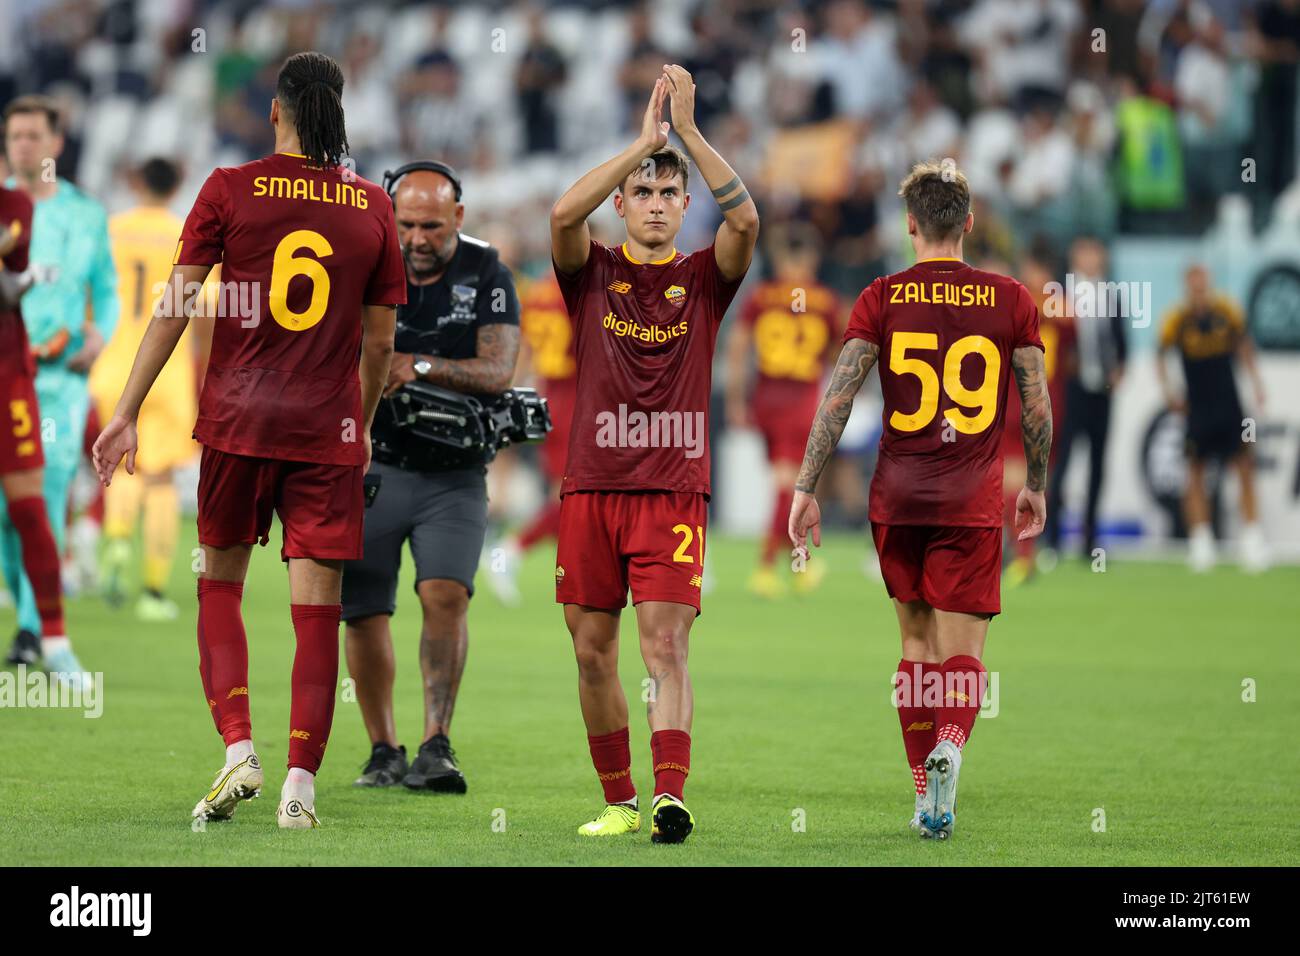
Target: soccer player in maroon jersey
<point x="952" y="336"/>
<point x="790" y="322"/>
<point x="311" y="273"/>
<point x="635" y="489"/>
<point x="22" y="472"/>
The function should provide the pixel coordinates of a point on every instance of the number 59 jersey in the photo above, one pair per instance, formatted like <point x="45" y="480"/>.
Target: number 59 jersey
<point x="302" y="249"/>
<point x="946" y="333"/>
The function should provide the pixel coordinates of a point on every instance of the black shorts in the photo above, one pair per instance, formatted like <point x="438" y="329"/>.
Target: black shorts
<point x="443" y="515"/>
<point x="1214" y="440"/>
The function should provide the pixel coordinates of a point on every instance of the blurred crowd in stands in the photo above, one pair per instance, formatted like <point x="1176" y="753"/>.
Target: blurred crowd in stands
<point x="1069" y="116"/>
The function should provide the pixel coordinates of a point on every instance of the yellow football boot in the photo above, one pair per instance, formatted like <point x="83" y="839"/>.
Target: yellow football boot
<point x="671" y="822"/>
<point x="765" y="584"/>
<point x="811" y="577"/>
<point x="615" y="820"/>
<point x="243" y="781"/>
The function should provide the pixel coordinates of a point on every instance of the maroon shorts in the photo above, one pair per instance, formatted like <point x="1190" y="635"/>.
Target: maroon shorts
<point x="20" y="425"/>
<point x="952" y="569"/>
<point x="320" y="506"/>
<point x="784" y="420"/>
<point x="652" y="541"/>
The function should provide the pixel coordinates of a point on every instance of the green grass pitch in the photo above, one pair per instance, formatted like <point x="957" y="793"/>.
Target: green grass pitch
<point x="1120" y="694"/>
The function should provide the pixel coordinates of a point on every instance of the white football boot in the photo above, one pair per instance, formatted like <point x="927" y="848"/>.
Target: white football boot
<point x="922" y="804"/>
<point x="243" y="781"/>
<point x="1255" y="557"/>
<point x="293" y="814"/>
<point x="941" y="770"/>
<point x="1200" y="549"/>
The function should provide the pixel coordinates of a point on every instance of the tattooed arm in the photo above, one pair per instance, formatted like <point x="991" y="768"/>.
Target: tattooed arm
<point x="1036" y="431"/>
<point x="489" y="372"/>
<point x="855" y="361"/>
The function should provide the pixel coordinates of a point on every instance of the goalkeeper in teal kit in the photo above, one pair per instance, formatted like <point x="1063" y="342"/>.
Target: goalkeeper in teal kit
<point x="70" y="252"/>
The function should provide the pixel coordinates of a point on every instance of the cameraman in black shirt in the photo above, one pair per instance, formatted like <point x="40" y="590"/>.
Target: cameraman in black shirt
<point x="459" y="331"/>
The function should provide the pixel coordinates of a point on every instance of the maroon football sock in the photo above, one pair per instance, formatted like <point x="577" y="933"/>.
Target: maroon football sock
<point x="778" y="530"/>
<point x="223" y="658"/>
<point x="40" y="561"/>
<point x="916" y="718"/>
<point x="671" y="753"/>
<point x="612" y="758"/>
<point x="964" y="680"/>
<point x="315" y="676"/>
<point x="545" y="525"/>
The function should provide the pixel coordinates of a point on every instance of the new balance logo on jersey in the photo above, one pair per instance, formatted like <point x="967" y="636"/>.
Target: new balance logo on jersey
<point x="619" y="286"/>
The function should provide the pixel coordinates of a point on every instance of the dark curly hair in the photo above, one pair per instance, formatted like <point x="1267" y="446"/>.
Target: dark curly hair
<point x="310" y="89"/>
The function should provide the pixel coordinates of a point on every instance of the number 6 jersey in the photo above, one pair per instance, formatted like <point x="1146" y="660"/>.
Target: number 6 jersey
<point x="302" y="249"/>
<point x="946" y="332"/>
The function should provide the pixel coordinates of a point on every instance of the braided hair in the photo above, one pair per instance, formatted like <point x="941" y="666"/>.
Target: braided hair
<point x="310" y="88"/>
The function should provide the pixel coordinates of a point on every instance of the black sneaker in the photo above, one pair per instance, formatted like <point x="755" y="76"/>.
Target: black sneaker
<point x="26" y="649"/>
<point x="435" y="768"/>
<point x="386" y="768"/>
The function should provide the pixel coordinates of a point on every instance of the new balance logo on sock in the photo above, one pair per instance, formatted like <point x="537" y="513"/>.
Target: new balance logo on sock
<point x="920" y="725"/>
<point x="299" y="735"/>
<point x="236" y="692"/>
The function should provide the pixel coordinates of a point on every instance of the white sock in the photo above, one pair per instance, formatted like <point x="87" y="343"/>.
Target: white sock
<point x="627" y="803"/>
<point x="52" y="645"/>
<point x="300" y="784"/>
<point x="1202" y="532"/>
<point x="239" y="751"/>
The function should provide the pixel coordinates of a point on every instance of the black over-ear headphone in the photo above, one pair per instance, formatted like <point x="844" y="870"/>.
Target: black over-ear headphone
<point x="430" y="165"/>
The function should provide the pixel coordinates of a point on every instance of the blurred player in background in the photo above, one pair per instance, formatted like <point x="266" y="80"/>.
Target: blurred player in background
<point x="311" y="272"/>
<point x="952" y="336"/>
<point x="144" y="242"/>
<point x="1208" y="332"/>
<point x="68" y="320"/>
<point x="21" y="460"/>
<point x="1057" y="333"/>
<point x="548" y="339"/>
<point x="790" y="323"/>
<point x="634" y="504"/>
<point x="1101" y="353"/>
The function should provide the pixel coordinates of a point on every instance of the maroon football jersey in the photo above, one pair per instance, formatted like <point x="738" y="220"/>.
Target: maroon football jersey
<point x="946" y="332"/>
<point x="15" y="220"/>
<point x="302" y="248"/>
<point x="643" y="337"/>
